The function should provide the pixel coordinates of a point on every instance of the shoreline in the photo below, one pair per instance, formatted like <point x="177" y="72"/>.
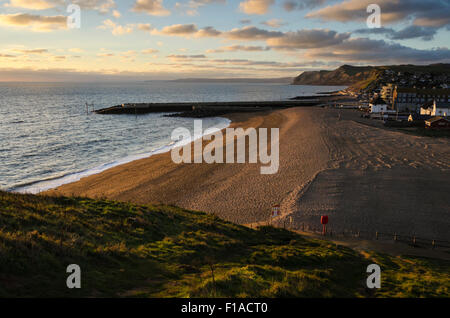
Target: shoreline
<point x="33" y="187"/>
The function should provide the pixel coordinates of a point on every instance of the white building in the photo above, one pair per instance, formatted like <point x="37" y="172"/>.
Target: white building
<point x="378" y="106"/>
<point x="436" y="109"/>
<point x="375" y="109"/>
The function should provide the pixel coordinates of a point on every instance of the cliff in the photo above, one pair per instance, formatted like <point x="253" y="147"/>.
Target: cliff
<point x="360" y="77"/>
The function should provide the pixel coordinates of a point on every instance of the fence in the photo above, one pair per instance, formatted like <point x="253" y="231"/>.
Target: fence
<point x="412" y="240"/>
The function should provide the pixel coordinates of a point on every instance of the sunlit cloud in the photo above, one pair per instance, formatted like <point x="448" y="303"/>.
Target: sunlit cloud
<point x="116" y="14"/>
<point x="103" y="6"/>
<point x="34" y="4"/>
<point x="251" y="33"/>
<point x="116" y="29"/>
<point x="32" y="51"/>
<point x="256" y="6"/>
<point x="274" y="23"/>
<point x="149" y="51"/>
<point x="151" y="7"/>
<point x="34" y="22"/>
<point x="236" y="48"/>
<point x="186" y="30"/>
<point x="192" y="6"/>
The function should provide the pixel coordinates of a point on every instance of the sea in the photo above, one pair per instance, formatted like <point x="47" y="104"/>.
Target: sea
<point x="47" y="138"/>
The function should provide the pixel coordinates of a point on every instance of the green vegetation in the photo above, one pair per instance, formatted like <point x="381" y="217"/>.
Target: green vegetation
<point x="163" y="251"/>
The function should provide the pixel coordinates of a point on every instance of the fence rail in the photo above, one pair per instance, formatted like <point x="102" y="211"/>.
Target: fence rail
<point x="412" y="240"/>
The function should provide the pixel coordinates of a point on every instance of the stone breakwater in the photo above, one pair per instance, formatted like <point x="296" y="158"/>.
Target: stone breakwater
<point x="206" y="107"/>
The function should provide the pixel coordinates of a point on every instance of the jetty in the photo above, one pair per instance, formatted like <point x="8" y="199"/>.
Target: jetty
<point x="145" y="108"/>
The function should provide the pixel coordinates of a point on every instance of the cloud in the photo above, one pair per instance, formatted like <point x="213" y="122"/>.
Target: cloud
<point x="438" y="19"/>
<point x="179" y="29"/>
<point x="151" y="7"/>
<point x="149" y="51"/>
<point x="76" y="50"/>
<point x="34" y="4"/>
<point x="246" y="62"/>
<point x="116" y="29"/>
<point x="147" y="27"/>
<point x="380" y="52"/>
<point x="207" y="32"/>
<point x="292" y="5"/>
<point x="256" y="6"/>
<point x="251" y="33"/>
<point x="188" y="30"/>
<point x="34" y="22"/>
<point x="235" y="48"/>
<point x="191" y="8"/>
<point x="32" y="51"/>
<point x="105" y="54"/>
<point x="274" y="23"/>
<point x="186" y="57"/>
<point x="410" y="32"/>
<point x="306" y="39"/>
<point x="100" y="5"/>
<point x="422" y="12"/>
<point x="116" y="14"/>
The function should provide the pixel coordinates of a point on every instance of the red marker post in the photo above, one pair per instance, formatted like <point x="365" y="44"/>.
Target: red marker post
<point x="324" y="221"/>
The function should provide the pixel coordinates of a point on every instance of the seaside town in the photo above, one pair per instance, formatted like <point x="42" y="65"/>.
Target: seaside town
<point x="404" y="99"/>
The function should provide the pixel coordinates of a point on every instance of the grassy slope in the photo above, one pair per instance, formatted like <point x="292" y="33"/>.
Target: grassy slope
<point x="162" y="251"/>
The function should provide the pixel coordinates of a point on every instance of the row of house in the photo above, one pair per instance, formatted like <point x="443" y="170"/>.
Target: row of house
<point x="435" y="108"/>
<point x="410" y="99"/>
<point x="432" y="114"/>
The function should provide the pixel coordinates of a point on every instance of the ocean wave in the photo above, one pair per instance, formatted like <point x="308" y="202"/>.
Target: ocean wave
<point x="54" y="182"/>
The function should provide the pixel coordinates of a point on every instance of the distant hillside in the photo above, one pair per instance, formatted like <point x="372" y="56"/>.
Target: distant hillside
<point x="128" y="250"/>
<point x="282" y="80"/>
<point x="344" y="75"/>
<point x="363" y="76"/>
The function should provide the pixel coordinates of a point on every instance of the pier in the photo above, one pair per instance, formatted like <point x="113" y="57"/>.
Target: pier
<point x="145" y="108"/>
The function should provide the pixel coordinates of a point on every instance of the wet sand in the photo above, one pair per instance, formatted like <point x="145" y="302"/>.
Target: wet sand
<point x="364" y="178"/>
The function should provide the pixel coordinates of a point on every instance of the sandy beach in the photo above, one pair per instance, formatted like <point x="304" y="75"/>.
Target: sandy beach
<point x="364" y="178"/>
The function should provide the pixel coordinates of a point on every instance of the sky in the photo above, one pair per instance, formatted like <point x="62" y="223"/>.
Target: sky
<point x="170" y="39"/>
